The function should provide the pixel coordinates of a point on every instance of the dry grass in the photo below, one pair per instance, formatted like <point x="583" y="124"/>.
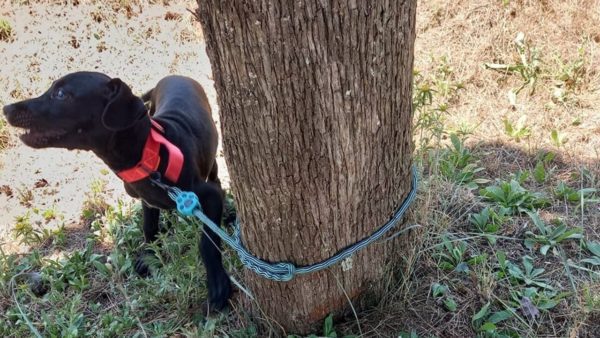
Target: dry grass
<point x="5" y="30"/>
<point x="471" y="33"/>
<point x="562" y="37"/>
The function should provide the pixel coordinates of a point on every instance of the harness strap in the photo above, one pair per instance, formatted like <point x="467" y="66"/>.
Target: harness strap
<point x="151" y="158"/>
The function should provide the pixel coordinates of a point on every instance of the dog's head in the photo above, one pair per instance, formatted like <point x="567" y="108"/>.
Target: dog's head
<point x="77" y="112"/>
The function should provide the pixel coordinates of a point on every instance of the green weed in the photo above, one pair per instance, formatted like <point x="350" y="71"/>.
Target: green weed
<point x="484" y="321"/>
<point x="548" y="237"/>
<point x="568" y="194"/>
<point x="529" y="275"/>
<point x="540" y="173"/>
<point x="95" y="204"/>
<point x="328" y="331"/>
<point x="513" y="197"/>
<point x="557" y="139"/>
<point x="591" y="298"/>
<point x="543" y="299"/>
<point x="453" y="256"/>
<point x="458" y="164"/>
<point x="441" y="293"/>
<point x="594" y="248"/>
<point x="489" y="221"/>
<point x="569" y="76"/>
<point x="430" y="109"/>
<point x="98" y="294"/>
<point x="528" y="66"/>
<point x="25" y="232"/>
<point x="516" y="131"/>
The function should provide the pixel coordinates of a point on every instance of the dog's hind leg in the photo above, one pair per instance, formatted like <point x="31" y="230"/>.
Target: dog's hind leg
<point x="219" y="286"/>
<point x="213" y="175"/>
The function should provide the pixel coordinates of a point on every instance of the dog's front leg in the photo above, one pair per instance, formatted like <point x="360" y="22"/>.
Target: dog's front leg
<point x="150" y="227"/>
<point x="219" y="286"/>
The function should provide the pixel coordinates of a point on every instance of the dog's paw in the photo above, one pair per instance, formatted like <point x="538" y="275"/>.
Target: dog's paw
<point x="142" y="266"/>
<point x="219" y="293"/>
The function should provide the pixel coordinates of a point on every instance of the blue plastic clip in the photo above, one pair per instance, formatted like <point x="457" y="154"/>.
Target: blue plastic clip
<point x="187" y="202"/>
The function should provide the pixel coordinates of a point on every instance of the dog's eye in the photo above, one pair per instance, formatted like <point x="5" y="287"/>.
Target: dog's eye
<point x="60" y="94"/>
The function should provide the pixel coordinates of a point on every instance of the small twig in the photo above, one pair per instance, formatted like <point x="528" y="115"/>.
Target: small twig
<point x="349" y="302"/>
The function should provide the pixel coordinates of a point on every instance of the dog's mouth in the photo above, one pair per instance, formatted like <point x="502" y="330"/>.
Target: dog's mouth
<point x="40" y="138"/>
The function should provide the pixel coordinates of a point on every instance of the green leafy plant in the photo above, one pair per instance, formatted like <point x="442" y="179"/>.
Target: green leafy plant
<point x="502" y="264"/>
<point x="513" y="197"/>
<point x="51" y="213"/>
<point x="432" y="96"/>
<point x="594" y="248"/>
<point x="457" y="163"/>
<point x="25" y="232"/>
<point x="529" y="275"/>
<point x="569" y="76"/>
<point x="452" y="256"/>
<point x="328" y="330"/>
<point x="564" y="192"/>
<point x="95" y="205"/>
<point x="441" y="293"/>
<point x="516" y="131"/>
<point x="549" y="237"/>
<point x="557" y="139"/>
<point x="488" y="222"/>
<point x="540" y="172"/>
<point x="528" y="65"/>
<point x="543" y="299"/>
<point x="484" y="321"/>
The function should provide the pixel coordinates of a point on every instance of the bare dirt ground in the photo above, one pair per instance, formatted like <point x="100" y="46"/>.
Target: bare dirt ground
<point x="139" y="44"/>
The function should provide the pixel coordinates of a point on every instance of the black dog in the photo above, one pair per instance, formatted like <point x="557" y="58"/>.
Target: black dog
<point x="90" y="111"/>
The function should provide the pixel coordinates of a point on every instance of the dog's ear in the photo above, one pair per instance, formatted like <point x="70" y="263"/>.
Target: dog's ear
<point x="123" y="109"/>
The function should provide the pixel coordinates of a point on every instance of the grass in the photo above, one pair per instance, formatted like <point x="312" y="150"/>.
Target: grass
<point x="5" y="30"/>
<point x="4" y="136"/>
<point x="90" y="293"/>
<point x="508" y="206"/>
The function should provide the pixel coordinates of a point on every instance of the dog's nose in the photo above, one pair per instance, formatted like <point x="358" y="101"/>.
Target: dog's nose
<point x="8" y="109"/>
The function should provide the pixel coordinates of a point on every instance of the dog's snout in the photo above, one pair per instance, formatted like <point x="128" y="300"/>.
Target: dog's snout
<point x="14" y="114"/>
<point x="8" y="109"/>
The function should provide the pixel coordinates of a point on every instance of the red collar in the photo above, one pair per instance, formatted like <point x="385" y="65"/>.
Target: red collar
<point x="151" y="158"/>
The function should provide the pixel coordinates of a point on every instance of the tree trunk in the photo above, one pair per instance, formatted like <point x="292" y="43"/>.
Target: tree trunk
<point x="315" y="104"/>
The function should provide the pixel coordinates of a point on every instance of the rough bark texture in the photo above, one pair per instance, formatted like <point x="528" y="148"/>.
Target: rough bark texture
<point x="315" y="102"/>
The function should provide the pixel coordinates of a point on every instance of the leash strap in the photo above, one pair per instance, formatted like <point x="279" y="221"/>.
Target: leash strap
<point x="188" y="205"/>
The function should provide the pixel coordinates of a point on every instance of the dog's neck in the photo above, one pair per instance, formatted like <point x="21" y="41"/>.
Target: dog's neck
<point x="123" y="149"/>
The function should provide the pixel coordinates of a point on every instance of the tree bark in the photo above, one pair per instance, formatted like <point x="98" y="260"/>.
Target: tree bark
<point x="316" y="112"/>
